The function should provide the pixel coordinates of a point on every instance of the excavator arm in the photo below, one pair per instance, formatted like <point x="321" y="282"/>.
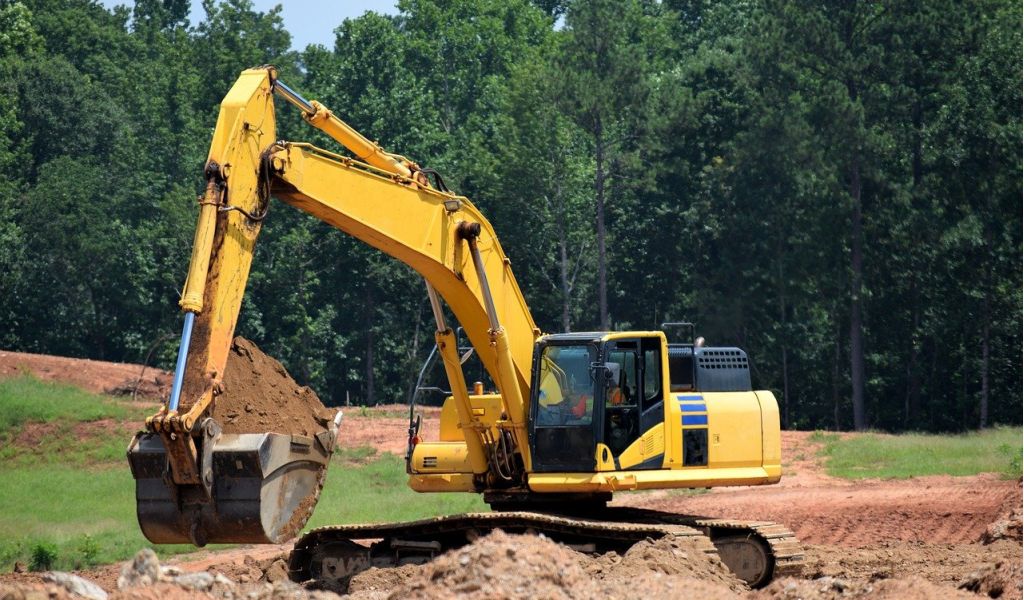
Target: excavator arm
<point x="382" y="199"/>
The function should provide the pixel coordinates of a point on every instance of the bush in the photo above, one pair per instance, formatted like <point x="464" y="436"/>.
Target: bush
<point x="44" y="555"/>
<point x="90" y="550"/>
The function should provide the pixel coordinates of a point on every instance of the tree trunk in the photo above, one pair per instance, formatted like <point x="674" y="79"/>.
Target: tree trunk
<point x="986" y="332"/>
<point x="602" y="268"/>
<point x="913" y="390"/>
<point x="856" y="299"/>
<point x="836" y="358"/>
<point x="563" y="273"/>
<point x="985" y="344"/>
<point x="910" y="399"/>
<point x="784" y="341"/>
<point x="370" y="399"/>
<point x="414" y="363"/>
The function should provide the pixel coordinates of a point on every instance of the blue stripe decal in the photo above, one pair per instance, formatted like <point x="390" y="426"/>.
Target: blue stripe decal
<point x="693" y="407"/>
<point x="695" y="419"/>
<point x="690" y="397"/>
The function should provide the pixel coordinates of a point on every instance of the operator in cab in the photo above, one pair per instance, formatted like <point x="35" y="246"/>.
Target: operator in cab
<point x="562" y="401"/>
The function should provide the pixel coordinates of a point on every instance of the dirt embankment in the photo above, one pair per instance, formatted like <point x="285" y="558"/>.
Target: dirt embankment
<point x="91" y="375"/>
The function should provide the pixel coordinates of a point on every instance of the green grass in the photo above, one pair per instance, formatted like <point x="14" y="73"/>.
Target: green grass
<point x="85" y="516"/>
<point x="68" y="498"/>
<point x="378" y="491"/>
<point x="67" y="438"/>
<point x="995" y="450"/>
<point x="26" y="399"/>
<point x="63" y="446"/>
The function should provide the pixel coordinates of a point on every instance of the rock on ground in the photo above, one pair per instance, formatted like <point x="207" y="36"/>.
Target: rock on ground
<point x="76" y="585"/>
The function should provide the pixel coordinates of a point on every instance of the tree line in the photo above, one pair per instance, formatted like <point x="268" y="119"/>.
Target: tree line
<point x="833" y="186"/>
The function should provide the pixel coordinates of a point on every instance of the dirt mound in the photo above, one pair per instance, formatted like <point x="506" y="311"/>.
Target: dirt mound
<point x="942" y="564"/>
<point x="996" y="580"/>
<point x="500" y="565"/>
<point x="830" y="588"/>
<point x="1008" y="525"/>
<point x="667" y="556"/>
<point x="259" y="396"/>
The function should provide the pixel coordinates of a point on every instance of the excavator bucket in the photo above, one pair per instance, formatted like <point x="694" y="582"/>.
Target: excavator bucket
<point x="255" y="487"/>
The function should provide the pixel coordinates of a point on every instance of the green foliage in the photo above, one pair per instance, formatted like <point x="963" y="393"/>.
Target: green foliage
<point x="90" y="550"/>
<point x="43" y="557"/>
<point x="722" y="141"/>
<point x="914" y="455"/>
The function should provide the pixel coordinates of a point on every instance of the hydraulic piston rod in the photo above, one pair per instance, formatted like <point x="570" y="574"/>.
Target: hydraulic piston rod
<point x="319" y="116"/>
<point x="179" y="366"/>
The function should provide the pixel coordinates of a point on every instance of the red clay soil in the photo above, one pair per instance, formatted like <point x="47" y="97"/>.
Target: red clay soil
<point x="379" y="428"/>
<point x="926" y="509"/>
<point x="92" y="375"/>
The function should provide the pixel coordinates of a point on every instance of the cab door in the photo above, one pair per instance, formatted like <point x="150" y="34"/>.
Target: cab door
<point x="563" y="429"/>
<point x="634" y="407"/>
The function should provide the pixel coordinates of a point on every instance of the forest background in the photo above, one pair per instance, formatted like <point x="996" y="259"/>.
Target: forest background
<point x="834" y="186"/>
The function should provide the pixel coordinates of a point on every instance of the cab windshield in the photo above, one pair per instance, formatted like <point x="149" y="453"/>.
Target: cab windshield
<point x="566" y="395"/>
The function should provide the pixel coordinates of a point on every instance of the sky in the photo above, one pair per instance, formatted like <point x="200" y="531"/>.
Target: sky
<point x="309" y="21"/>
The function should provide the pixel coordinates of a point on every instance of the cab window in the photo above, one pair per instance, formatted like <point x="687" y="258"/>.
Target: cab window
<point x="652" y="374"/>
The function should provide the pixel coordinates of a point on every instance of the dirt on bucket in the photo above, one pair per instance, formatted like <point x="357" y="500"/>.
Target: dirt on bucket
<point x="260" y="396"/>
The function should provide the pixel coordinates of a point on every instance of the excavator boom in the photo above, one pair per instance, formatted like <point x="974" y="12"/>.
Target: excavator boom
<point x="190" y="484"/>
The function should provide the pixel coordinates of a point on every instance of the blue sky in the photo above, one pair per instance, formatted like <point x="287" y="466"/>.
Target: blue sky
<point x="309" y="21"/>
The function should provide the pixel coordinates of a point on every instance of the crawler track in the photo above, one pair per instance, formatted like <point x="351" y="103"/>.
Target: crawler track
<point x="756" y="551"/>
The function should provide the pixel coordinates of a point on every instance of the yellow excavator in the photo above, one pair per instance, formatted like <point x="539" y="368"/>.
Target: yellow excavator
<point x="576" y="417"/>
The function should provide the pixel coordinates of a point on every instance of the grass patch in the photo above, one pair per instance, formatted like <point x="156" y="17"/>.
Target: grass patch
<point x="348" y="457"/>
<point x="25" y="399"/>
<point x="378" y="491"/>
<point x="68" y="444"/>
<point x="49" y="423"/>
<point x="67" y="498"/>
<point x="995" y="450"/>
<point x="69" y="518"/>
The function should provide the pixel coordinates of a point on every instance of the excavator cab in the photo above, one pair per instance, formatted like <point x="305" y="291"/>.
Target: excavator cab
<point x="595" y="395"/>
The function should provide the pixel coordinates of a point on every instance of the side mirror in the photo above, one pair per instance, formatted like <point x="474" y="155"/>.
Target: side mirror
<point x="609" y="371"/>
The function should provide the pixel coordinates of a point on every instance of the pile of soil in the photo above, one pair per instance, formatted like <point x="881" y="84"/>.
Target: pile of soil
<point x="511" y="566"/>
<point x="828" y="588"/>
<point x="996" y="580"/>
<point x="1008" y="525"/>
<point x="944" y="564"/>
<point x="260" y="396"/>
<point x="501" y="565"/>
